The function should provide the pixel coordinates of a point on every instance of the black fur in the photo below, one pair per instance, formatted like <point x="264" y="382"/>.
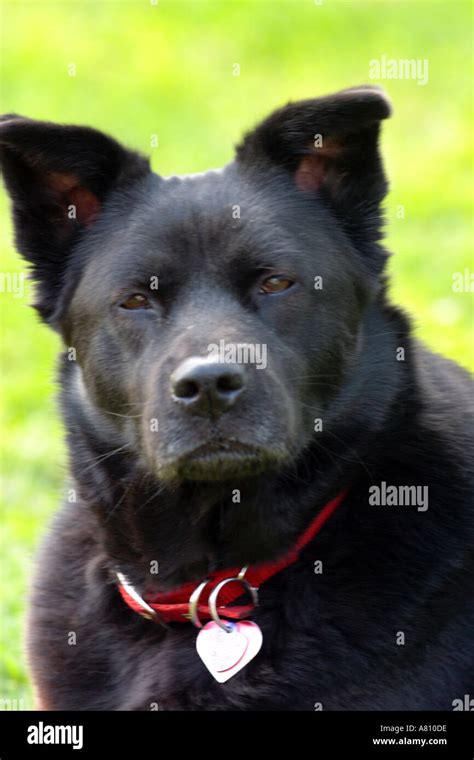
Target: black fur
<point x="333" y="355"/>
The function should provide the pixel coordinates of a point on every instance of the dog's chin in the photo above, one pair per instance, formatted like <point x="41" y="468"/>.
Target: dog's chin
<point x="220" y="461"/>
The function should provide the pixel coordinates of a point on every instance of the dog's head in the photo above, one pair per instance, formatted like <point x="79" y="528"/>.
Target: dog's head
<point x="212" y="322"/>
<point x="211" y="318"/>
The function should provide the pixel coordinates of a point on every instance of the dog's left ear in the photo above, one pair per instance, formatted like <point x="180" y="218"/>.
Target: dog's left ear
<point x="58" y="177"/>
<point x="328" y="146"/>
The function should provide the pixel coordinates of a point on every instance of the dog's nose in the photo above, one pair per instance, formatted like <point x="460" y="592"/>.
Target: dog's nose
<point x="205" y="387"/>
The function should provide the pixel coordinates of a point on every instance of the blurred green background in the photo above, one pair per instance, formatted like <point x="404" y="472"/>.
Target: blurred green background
<point x="138" y="69"/>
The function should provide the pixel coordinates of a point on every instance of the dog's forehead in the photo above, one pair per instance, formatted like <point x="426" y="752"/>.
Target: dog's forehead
<point x="225" y="201"/>
<point x="220" y="218"/>
<point x="197" y="212"/>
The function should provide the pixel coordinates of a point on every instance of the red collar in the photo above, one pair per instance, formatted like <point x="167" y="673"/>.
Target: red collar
<point x="173" y="606"/>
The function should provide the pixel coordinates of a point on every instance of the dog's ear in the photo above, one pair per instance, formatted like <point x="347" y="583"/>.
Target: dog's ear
<point x="328" y="146"/>
<point x="58" y="178"/>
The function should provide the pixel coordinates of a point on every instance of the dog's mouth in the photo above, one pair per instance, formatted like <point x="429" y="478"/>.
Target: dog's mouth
<point x="221" y="459"/>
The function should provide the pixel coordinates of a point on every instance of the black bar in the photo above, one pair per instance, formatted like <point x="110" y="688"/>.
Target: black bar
<point x="314" y="735"/>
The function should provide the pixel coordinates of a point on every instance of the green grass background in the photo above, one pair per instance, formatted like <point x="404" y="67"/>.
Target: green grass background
<point x="167" y="69"/>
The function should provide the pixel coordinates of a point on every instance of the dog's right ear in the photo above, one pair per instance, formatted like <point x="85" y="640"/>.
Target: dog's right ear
<point x="58" y="178"/>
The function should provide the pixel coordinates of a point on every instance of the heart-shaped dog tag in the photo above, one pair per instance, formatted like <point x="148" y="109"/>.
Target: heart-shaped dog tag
<point x="225" y="653"/>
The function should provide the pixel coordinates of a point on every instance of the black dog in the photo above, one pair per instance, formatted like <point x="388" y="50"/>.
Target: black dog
<point x="232" y="371"/>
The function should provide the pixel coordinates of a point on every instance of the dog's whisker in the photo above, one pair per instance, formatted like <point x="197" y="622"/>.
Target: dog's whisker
<point x="153" y="496"/>
<point x="102" y="457"/>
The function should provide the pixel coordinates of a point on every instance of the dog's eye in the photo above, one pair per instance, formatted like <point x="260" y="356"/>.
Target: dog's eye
<point x="136" y="301"/>
<point x="275" y="284"/>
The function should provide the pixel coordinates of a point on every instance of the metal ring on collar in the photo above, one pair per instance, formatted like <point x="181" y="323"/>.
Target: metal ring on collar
<point x="215" y="593"/>
<point x="146" y="610"/>
<point x="193" y="604"/>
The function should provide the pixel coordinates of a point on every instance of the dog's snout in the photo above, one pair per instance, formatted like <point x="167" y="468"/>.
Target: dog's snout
<point x="205" y="387"/>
